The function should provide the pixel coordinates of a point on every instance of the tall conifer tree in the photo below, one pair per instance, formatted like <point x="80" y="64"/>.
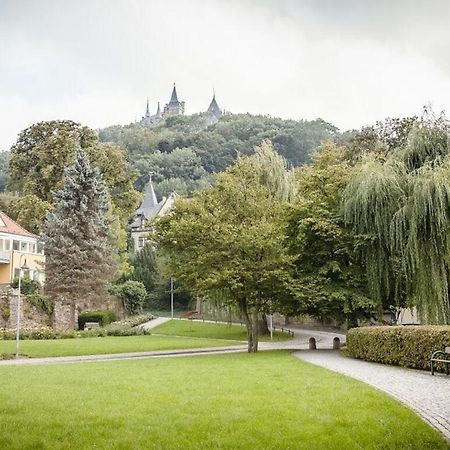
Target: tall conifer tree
<point x="79" y="257"/>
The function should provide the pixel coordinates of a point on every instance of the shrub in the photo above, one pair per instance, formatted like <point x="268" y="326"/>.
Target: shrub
<point x="133" y="295"/>
<point x="134" y="321"/>
<point x="27" y="285"/>
<point x="41" y="302"/>
<point x="102" y="316"/>
<point x="409" y="346"/>
<point x="50" y="333"/>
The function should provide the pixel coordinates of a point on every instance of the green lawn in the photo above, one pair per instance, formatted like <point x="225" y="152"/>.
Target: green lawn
<point x="103" y="345"/>
<point x="191" y="328"/>
<point x="269" y="400"/>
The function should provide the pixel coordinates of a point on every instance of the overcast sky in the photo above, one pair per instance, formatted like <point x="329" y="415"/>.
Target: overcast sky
<point x="350" y="62"/>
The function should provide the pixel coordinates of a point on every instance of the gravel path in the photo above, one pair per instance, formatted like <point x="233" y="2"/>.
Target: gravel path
<point x="428" y="395"/>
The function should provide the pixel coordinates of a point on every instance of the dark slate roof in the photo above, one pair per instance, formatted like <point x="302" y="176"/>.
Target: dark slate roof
<point x="149" y="206"/>
<point x="214" y="108"/>
<point x="174" y="97"/>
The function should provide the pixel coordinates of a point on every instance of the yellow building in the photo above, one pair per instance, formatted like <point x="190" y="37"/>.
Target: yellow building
<point x="15" y="241"/>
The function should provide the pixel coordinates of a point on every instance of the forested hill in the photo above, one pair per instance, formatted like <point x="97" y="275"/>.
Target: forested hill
<point x="182" y="152"/>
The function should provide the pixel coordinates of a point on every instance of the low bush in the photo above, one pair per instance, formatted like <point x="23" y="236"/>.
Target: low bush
<point x="132" y="294"/>
<point x="409" y="346"/>
<point x="134" y="321"/>
<point x="41" y="302"/>
<point x="50" y="333"/>
<point x="27" y="285"/>
<point x="101" y="316"/>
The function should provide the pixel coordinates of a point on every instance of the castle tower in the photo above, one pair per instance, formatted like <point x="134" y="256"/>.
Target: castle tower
<point x="174" y="107"/>
<point x="214" y="112"/>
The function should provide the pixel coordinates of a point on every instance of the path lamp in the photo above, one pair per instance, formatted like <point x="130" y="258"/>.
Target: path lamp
<point x="171" y="298"/>
<point x="21" y="268"/>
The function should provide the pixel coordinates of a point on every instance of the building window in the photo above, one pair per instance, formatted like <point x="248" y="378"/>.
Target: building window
<point x="40" y="248"/>
<point x="141" y="241"/>
<point x="32" y="248"/>
<point x="8" y="245"/>
<point x="16" y="245"/>
<point x="24" y="246"/>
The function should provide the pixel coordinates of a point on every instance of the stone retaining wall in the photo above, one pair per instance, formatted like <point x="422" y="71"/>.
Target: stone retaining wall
<point x="30" y="316"/>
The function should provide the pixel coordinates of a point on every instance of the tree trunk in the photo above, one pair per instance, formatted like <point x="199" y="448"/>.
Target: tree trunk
<point x="252" y="328"/>
<point x="255" y="329"/>
<point x="263" y="327"/>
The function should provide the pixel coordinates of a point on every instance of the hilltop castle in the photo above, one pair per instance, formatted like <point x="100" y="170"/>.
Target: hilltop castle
<point x="176" y="108"/>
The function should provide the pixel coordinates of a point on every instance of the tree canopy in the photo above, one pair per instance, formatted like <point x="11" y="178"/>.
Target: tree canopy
<point x="227" y="242"/>
<point x="79" y="258"/>
<point x="401" y="203"/>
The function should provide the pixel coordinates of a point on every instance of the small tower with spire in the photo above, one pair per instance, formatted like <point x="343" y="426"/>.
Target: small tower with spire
<point x="174" y="107"/>
<point x="214" y="113"/>
<point x="148" y="210"/>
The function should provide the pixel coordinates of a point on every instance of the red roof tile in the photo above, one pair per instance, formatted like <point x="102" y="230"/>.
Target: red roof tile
<point x="7" y="225"/>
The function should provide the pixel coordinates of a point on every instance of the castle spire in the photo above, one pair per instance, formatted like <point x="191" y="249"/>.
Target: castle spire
<point x="150" y="200"/>
<point x="214" y="108"/>
<point x="158" y="111"/>
<point x="147" y="111"/>
<point x="174" y="97"/>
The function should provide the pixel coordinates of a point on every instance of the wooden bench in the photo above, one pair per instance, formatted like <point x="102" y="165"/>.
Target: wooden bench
<point x="440" y="356"/>
<point x="91" y="325"/>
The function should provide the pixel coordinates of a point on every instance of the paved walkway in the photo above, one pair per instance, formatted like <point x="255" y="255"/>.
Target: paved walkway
<point x="427" y="395"/>
<point x="154" y="323"/>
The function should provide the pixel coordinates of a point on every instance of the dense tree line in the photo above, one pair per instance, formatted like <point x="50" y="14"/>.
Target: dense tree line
<point x="183" y="153"/>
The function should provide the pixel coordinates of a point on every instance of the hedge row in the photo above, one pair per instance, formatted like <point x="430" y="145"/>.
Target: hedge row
<point x="407" y="346"/>
<point x="50" y="333"/>
<point x="101" y="316"/>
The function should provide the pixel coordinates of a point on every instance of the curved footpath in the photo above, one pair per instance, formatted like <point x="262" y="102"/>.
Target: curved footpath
<point x="428" y="395"/>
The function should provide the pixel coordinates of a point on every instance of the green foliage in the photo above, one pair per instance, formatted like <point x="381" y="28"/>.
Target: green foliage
<point x="4" y="170"/>
<point x="47" y="333"/>
<point x="400" y="205"/>
<point x="329" y="281"/>
<point x="227" y="242"/>
<point x="145" y="267"/>
<point x="5" y="311"/>
<point x="101" y="316"/>
<point x="42" y="302"/>
<point x="27" y="285"/>
<point x="30" y="211"/>
<point x="79" y="259"/>
<point x="133" y="321"/>
<point x="132" y="294"/>
<point x="39" y="158"/>
<point x="409" y="346"/>
<point x="186" y="150"/>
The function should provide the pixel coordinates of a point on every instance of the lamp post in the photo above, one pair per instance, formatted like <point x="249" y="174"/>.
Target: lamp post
<point x="171" y="298"/>
<point x="21" y="268"/>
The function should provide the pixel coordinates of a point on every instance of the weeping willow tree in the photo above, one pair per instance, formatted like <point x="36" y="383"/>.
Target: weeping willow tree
<point x="401" y="204"/>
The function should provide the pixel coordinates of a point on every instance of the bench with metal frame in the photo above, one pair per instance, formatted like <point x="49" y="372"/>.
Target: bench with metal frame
<point x="440" y="356"/>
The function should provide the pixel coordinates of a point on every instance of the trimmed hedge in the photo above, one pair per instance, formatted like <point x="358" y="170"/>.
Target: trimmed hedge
<point x="101" y="316"/>
<point x="407" y="346"/>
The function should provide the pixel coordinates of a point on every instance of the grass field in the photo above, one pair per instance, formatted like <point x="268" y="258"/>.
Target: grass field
<point x="176" y="334"/>
<point x="103" y="345"/>
<point x="269" y="400"/>
<point x="191" y="328"/>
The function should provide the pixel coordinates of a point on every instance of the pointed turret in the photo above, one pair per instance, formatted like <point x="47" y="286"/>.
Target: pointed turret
<point x="150" y="201"/>
<point x="174" y="97"/>
<point x="147" y="111"/>
<point x="214" y="108"/>
<point x="158" y="112"/>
